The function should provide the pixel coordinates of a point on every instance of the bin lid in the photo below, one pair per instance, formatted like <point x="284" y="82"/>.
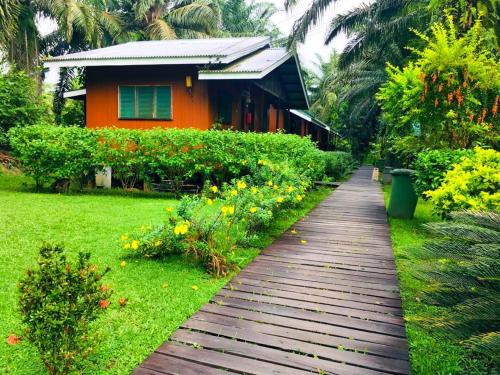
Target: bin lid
<point x="402" y="172"/>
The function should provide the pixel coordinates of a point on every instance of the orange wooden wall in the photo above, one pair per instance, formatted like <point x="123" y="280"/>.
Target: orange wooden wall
<point x="189" y="110"/>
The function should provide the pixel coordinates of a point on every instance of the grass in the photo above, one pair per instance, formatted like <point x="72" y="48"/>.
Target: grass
<point x="429" y="353"/>
<point x="160" y="294"/>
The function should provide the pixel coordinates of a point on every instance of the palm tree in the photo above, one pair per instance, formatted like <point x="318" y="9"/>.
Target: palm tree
<point x="169" y="19"/>
<point x="240" y="18"/>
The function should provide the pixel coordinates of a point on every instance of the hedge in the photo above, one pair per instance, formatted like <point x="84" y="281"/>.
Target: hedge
<point x="338" y="164"/>
<point x="431" y="167"/>
<point x="50" y="153"/>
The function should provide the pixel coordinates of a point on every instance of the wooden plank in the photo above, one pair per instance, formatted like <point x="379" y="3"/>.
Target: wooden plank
<point x="337" y="354"/>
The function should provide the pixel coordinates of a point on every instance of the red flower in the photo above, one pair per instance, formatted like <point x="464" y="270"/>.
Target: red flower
<point x="122" y="301"/>
<point x="13" y="339"/>
<point x="104" y="303"/>
<point x="104" y="288"/>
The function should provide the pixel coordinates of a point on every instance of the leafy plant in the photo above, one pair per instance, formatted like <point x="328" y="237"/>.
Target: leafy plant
<point x="448" y="97"/>
<point x="58" y="302"/>
<point x="242" y="207"/>
<point x="473" y="183"/>
<point x="463" y="275"/>
<point x="432" y="165"/>
<point x="338" y="164"/>
<point x="49" y="153"/>
<point x="21" y="106"/>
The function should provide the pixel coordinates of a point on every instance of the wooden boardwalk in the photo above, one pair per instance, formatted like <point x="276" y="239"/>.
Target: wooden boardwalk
<point x="330" y="305"/>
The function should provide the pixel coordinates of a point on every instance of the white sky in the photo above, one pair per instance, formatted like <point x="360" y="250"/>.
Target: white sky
<point x="314" y="43"/>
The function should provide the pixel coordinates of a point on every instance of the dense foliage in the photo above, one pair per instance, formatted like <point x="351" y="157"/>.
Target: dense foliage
<point x="243" y="207"/>
<point x="474" y="184"/>
<point x="20" y="105"/>
<point x="49" y="153"/>
<point x="464" y="278"/>
<point x="59" y="301"/>
<point x="338" y="164"/>
<point x="431" y="167"/>
<point x="448" y="97"/>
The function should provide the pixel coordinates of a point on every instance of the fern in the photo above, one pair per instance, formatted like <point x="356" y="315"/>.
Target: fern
<point x="463" y="275"/>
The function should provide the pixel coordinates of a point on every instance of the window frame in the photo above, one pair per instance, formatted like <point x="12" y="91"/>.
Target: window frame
<point x="154" y="103"/>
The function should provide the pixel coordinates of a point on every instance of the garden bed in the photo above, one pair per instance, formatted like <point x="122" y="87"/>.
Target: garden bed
<point x="161" y="295"/>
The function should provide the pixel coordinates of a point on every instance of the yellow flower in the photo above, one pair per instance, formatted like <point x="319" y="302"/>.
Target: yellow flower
<point x="276" y="187"/>
<point x="279" y="199"/>
<point x="303" y="242"/>
<point x="126" y="246"/>
<point x="181" y="228"/>
<point x="124" y="237"/>
<point x="123" y="264"/>
<point x="209" y="201"/>
<point x="241" y="185"/>
<point x="253" y="210"/>
<point x="194" y="287"/>
<point x="261" y="162"/>
<point x="253" y="190"/>
<point x="244" y="162"/>
<point x="269" y="183"/>
<point x="233" y="193"/>
<point x="169" y="209"/>
<point x="134" y="245"/>
<point x="158" y="243"/>
<point x="293" y="231"/>
<point x="298" y="198"/>
<point x="230" y="210"/>
<point x="224" y="210"/>
<point x="214" y="189"/>
<point x="289" y="189"/>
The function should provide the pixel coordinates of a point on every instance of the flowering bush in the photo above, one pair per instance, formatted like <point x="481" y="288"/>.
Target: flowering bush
<point x="49" y="152"/>
<point x="209" y="227"/>
<point x="472" y="184"/>
<point x="58" y="302"/>
<point x="431" y="167"/>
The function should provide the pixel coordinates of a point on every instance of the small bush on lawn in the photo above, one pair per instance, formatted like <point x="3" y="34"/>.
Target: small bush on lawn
<point x="474" y="184"/>
<point x="338" y="164"/>
<point x="431" y="167"/>
<point x="242" y="207"/>
<point x="49" y="152"/>
<point x="462" y="274"/>
<point x="58" y="302"/>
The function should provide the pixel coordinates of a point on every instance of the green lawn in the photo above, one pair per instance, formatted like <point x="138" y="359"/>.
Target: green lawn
<point x="428" y="353"/>
<point x="160" y="294"/>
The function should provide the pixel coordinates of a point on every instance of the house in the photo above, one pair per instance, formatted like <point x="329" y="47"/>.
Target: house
<point x="239" y="83"/>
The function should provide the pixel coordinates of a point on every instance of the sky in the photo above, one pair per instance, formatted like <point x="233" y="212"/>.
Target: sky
<point x="314" y="44"/>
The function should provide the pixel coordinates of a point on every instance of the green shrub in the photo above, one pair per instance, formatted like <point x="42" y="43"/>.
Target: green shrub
<point x="431" y="167"/>
<point x="58" y="302"/>
<point x="472" y="184"/>
<point x="174" y="154"/>
<point x="49" y="152"/>
<point x="338" y="164"/>
<point x="209" y="227"/>
<point x="20" y="103"/>
<point x="462" y="272"/>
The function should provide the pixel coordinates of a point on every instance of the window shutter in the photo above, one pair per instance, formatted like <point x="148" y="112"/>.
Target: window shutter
<point x="127" y="101"/>
<point x="145" y="98"/>
<point x="163" y="102"/>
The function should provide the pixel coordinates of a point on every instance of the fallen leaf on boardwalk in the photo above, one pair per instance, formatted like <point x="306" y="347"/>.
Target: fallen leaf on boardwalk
<point x="303" y="242"/>
<point x="293" y="231"/>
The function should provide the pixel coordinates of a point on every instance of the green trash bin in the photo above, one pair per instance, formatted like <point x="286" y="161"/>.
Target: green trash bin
<point x="380" y="164"/>
<point x="403" y="200"/>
